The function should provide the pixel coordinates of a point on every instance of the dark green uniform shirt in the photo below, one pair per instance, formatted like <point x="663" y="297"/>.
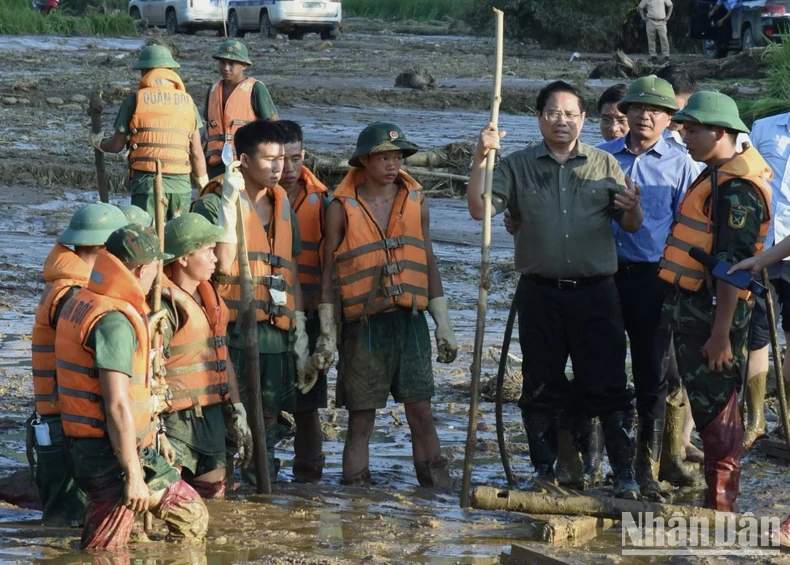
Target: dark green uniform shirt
<point x="270" y="338"/>
<point x="740" y="212"/>
<point x="114" y="342"/>
<point x="562" y="212"/>
<point x="141" y="182"/>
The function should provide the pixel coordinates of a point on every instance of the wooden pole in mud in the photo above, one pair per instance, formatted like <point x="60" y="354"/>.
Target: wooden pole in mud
<point x="95" y="108"/>
<point x="482" y="291"/>
<point x="777" y="352"/>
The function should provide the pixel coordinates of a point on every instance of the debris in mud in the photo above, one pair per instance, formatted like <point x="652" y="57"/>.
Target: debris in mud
<point x="417" y="78"/>
<point x="318" y="46"/>
<point x="18" y="489"/>
<point x="55" y="101"/>
<point x="512" y="382"/>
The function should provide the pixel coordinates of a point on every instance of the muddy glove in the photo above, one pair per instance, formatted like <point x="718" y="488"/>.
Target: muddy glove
<point x="445" y="337"/>
<point x="201" y="181"/>
<point x="306" y="376"/>
<point x="232" y="187"/>
<point x="239" y="430"/>
<point x="166" y="449"/>
<point x="95" y="140"/>
<point x="325" y="347"/>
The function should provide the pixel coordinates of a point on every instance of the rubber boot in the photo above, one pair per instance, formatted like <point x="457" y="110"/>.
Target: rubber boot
<point x="648" y="450"/>
<point x="361" y="479"/>
<point x="722" y="442"/>
<point x="673" y="468"/>
<point x="308" y="470"/>
<point x="541" y="430"/>
<point x="591" y="436"/>
<point x="568" y="469"/>
<point x="618" y="429"/>
<point x="755" y="409"/>
<point x="433" y="474"/>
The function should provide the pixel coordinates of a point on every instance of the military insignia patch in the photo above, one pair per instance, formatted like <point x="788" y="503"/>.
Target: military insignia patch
<point x="737" y="217"/>
<point x="393" y="135"/>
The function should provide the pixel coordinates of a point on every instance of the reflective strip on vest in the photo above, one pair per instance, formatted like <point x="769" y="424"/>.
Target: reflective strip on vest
<point x="218" y="365"/>
<point x="266" y="307"/>
<point x="388" y="269"/>
<point x="93" y="397"/>
<point x="219" y="389"/>
<point x="266" y="280"/>
<point x="43" y="348"/>
<point x="209" y="343"/>
<point x="383" y="244"/>
<point x="387" y="292"/>
<point x="44" y="373"/>
<point x="680" y="270"/>
<point x="95" y="422"/>
<point x="310" y="245"/>
<point x="270" y="259"/>
<point x="90" y="371"/>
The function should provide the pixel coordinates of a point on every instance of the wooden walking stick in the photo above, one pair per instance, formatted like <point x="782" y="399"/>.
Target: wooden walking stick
<point x="158" y="384"/>
<point x="482" y="294"/>
<point x="777" y="352"/>
<point x="249" y="325"/>
<point x="95" y="108"/>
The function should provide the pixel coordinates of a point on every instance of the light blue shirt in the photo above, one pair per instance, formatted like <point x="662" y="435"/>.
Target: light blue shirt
<point x="771" y="138"/>
<point x="663" y="173"/>
<point x="728" y="4"/>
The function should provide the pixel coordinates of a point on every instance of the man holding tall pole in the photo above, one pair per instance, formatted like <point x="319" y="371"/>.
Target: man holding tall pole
<point x="565" y="194"/>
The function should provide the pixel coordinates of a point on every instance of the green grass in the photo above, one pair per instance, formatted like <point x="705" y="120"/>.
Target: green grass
<point x="776" y="99"/>
<point x="17" y="17"/>
<point x="405" y="9"/>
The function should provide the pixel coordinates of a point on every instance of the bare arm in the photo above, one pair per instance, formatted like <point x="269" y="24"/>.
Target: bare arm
<point x="334" y="232"/>
<point x="121" y="431"/>
<point x="489" y="139"/>
<point x="196" y="156"/>
<point x="434" y="278"/>
<point x="114" y="144"/>
<point x="669" y="12"/>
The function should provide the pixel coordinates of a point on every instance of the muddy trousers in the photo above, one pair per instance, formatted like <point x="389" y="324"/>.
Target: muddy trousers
<point x="657" y="28"/>
<point x="63" y="503"/>
<point x="108" y="523"/>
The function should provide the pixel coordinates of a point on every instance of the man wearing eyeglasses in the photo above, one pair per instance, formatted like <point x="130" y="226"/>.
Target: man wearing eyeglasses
<point x="563" y="195"/>
<point x="663" y="172"/>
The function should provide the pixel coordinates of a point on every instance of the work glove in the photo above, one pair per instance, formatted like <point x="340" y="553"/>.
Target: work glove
<point x="95" y="140"/>
<point x="445" y="337"/>
<point x="166" y="449"/>
<point x="239" y="430"/>
<point x="306" y="375"/>
<point x="232" y="187"/>
<point x="325" y="347"/>
<point x="201" y="181"/>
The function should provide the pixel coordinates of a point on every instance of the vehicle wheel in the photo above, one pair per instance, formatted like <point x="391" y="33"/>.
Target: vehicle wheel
<point x="331" y="33"/>
<point x="134" y="13"/>
<point x="233" y="26"/>
<point x="267" y="31"/>
<point x="172" y="22"/>
<point x="297" y="35"/>
<point x="709" y="48"/>
<point x="748" y="40"/>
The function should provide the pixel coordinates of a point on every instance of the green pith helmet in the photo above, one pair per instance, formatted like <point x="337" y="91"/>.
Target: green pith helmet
<point x="155" y="57"/>
<point x="135" y="246"/>
<point x="92" y="225"/>
<point x="136" y="215"/>
<point x="711" y="108"/>
<point x="381" y="136"/>
<point x="233" y="50"/>
<point x="188" y="233"/>
<point x="649" y="90"/>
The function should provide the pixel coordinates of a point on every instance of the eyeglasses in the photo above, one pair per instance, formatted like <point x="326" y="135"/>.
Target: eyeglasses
<point x="650" y="110"/>
<point x="555" y="115"/>
<point x="607" y="121"/>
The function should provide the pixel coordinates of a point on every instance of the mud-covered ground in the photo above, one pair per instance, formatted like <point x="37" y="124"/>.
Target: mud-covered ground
<point x="333" y="90"/>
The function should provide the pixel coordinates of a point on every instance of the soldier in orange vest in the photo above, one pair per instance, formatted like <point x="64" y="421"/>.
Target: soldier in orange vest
<point x="377" y="238"/>
<point x="273" y="245"/>
<point x="233" y="102"/>
<point x="160" y="121"/>
<point x="65" y="272"/>
<point x="727" y="212"/>
<point x="102" y="353"/>
<point x="308" y="197"/>
<point x="204" y="393"/>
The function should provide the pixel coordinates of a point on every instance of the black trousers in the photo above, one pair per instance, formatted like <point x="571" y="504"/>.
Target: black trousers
<point x="584" y="323"/>
<point x="641" y="296"/>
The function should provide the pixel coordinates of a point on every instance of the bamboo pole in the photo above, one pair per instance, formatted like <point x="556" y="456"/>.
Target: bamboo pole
<point x="485" y="254"/>
<point x="777" y="352"/>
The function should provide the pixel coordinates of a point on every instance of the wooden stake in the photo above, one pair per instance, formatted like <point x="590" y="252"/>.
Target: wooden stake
<point x="777" y="353"/>
<point x="482" y="295"/>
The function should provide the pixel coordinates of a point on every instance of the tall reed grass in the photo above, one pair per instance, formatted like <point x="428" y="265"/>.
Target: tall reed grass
<point x="776" y="99"/>
<point x="406" y="9"/>
<point x="18" y="17"/>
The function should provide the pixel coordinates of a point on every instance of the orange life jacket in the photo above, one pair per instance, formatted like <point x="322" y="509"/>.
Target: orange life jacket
<point x="269" y="255"/>
<point x="227" y="116"/>
<point x="111" y="288"/>
<point x="63" y="269"/>
<point x="163" y="120"/>
<point x="380" y="268"/>
<point x="694" y="227"/>
<point x="309" y="210"/>
<point x="196" y="369"/>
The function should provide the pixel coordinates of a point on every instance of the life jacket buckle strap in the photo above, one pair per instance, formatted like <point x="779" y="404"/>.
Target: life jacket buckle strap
<point x="392" y="290"/>
<point x="394" y="242"/>
<point x="221" y="365"/>
<point x="220" y="341"/>
<point x="393" y="268"/>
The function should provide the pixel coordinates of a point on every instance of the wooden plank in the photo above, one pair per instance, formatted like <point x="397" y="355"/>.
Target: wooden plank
<point x="572" y="530"/>
<point x="538" y="555"/>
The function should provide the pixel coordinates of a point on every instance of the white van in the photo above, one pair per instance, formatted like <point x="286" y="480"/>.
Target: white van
<point x="292" y="17"/>
<point x="180" y="15"/>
